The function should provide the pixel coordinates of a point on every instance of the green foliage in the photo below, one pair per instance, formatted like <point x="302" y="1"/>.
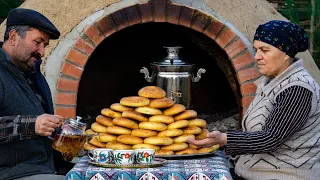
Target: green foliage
<point x="299" y="12"/>
<point x="7" y="5"/>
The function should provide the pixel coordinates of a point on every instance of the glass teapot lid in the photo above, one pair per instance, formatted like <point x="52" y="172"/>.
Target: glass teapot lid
<point x="172" y="58"/>
<point x="73" y="126"/>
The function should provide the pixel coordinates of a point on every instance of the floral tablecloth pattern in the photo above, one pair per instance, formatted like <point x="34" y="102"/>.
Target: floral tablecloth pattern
<point x="207" y="168"/>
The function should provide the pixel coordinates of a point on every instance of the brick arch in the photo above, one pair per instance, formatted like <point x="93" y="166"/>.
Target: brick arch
<point x="152" y="11"/>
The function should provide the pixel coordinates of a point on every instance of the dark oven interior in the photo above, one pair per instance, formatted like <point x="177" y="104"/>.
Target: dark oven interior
<point x="113" y="71"/>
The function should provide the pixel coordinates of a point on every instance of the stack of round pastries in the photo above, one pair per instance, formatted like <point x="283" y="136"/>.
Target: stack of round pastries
<point x="149" y="120"/>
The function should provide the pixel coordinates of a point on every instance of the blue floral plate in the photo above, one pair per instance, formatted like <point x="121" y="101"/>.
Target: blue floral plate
<point x="155" y="163"/>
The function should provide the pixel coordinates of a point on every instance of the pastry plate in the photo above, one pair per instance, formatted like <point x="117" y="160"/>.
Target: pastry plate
<point x="155" y="163"/>
<point x="186" y="156"/>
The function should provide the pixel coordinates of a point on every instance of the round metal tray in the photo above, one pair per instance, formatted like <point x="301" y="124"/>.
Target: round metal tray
<point x="155" y="163"/>
<point x="186" y="156"/>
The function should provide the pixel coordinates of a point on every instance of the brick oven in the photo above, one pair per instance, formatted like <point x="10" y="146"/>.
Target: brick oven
<point x="101" y="58"/>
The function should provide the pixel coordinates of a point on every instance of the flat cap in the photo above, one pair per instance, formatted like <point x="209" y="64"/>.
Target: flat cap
<point x="32" y="18"/>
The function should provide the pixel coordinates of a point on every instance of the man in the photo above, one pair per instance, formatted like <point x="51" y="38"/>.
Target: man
<point x="26" y="108"/>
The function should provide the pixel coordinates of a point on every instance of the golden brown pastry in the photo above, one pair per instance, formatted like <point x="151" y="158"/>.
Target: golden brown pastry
<point x="106" y="121"/>
<point x="156" y="140"/>
<point x="148" y="110"/>
<point x="187" y="151"/>
<point x="117" y="145"/>
<point x="124" y="122"/>
<point x="161" y="118"/>
<point x="187" y="114"/>
<point x="118" y="130"/>
<point x="198" y="122"/>
<point x="134" y="115"/>
<point x="89" y="147"/>
<point x="97" y="127"/>
<point x="171" y="132"/>
<point x="174" y="109"/>
<point x="164" y="152"/>
<point x="193" y="146"/>
<point x="175" y="147"/>
<point x="161" y="103"/>
<point x="110" y="113"/>
<point x="182" y="138"/>
<point x="105" y="137"/>
<point x="152" y="92"/>
<point x="156" y="126"/>
<point x="128" y="139"/>
<point x="208" y="149"/>
<point x="89" y="132"/>
<point x="192" y="130"/>
<point x="145" y="146"/>
<point x="134" y="101"/>
<point x="143" y="133"/>
<point x="178" y="124"/>
<point x="120" y="108"/>
<point x="94" y="141"/>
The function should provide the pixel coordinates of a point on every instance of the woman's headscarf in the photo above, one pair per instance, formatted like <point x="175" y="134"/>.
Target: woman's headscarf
<point x="288" y="37"/>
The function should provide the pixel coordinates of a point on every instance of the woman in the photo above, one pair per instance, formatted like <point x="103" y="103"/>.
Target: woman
<point x="281" y="128"/>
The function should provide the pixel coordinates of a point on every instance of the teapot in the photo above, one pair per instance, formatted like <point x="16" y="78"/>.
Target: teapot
<point x="70" y="138"/>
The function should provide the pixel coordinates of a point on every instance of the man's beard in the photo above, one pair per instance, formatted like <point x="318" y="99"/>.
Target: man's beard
<point x="24" y="63"/>
<point x="36" y="56"/>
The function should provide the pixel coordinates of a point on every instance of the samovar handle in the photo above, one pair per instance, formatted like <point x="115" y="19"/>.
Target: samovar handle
<point x="146" y="74"/>
<point x="196" y="79"/>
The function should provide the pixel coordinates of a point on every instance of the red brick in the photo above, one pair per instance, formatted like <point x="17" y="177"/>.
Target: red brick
<point x="66" y="98"/>
<point x="224" y="38"/>
<point x="107" y="25"/>
<point x="235" y="48"/>
<point x="248" y="74"/>
<point x="67" y="84"/>
<point x="146" y="12"/>
<point x="83" y="46"/>
<point x="120" y="20"/>
<point x="77" y="57"/>
<point x="248" y="88"/>
<point x="242" y="60"/>
<point x="246" y="101"/>
<point x="133" y="15"/>
<point x="94" y="35"/>
<point x="160" y="11"/>
<point x="66" y="112"/>
<point x="199" y="21"/>
<point x="213" y="28"/>
<point x="186" y="16"/>
<point x="71" y="70"/>
<point x="173" y="13"/>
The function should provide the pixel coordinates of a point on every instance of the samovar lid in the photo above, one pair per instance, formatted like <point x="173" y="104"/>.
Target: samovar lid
<point x="172" y="58"/>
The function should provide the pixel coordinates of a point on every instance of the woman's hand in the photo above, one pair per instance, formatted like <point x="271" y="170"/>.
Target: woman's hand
<point x="213" y="138"/>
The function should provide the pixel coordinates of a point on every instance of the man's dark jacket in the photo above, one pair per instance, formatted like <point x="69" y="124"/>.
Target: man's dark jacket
<point x="29" y="156"/>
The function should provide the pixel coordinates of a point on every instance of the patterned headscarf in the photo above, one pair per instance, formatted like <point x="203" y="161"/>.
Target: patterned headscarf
<point x="289" y="38"/>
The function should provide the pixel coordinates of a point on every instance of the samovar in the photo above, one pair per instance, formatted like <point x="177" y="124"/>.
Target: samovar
<point x="175" y="76"/>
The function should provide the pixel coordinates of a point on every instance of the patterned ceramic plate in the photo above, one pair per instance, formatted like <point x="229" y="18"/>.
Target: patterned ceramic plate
<point x="155" y="163"/>
<point x="186" y="156"/>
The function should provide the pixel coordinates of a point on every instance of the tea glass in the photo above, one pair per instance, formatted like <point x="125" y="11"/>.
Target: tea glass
<point x="144" y="156"/>
<point x="101" y="155"/>
<point x="123" y="157"/>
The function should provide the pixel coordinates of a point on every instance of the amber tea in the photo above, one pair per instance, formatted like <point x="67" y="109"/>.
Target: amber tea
<point x="69" y="145"/>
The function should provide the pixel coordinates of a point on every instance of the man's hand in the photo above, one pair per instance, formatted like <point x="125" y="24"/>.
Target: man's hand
<point x="46" y="124"/>
<point x="213" y="138"/>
